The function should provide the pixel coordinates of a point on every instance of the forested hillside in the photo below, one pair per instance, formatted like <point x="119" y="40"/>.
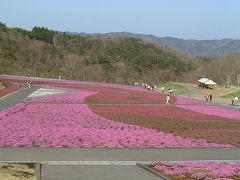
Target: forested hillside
<point x="46" y="53"/>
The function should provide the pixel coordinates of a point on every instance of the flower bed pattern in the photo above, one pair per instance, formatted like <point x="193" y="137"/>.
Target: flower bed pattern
<point x="48" y="122"/>
<point x="213" y="110"/>
<point x="64" y="125"/>
<point x="210" y="110"/>
<point x="189" y="101"/>
<point x="129" y="97"/>
<point x="198" y="170"/>
<point x="171" y="119"/>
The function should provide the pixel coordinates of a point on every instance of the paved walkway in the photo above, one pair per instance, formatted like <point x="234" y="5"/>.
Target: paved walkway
<point x="90" y="172"/>
<point x="16" y="97"/>
<point x="89" y="154"/>
<point x="108" y="164"/>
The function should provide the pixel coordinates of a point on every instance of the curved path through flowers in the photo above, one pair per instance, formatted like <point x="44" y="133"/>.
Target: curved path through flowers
<point x="16" y="97"/>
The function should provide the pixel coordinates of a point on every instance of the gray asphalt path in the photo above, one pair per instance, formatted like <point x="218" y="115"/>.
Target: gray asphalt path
<point x="77" y="172"/>
<point x="122" y="104"/>
<point x="90" y="164"/>
<point x="16" y="97"/>
<point x="192" y="89"/>
<point x="85" y="154"/>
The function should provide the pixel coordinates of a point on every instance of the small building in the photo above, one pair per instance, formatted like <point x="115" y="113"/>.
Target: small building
<point x="211" y="84"/>
<point x="206" y="83"/>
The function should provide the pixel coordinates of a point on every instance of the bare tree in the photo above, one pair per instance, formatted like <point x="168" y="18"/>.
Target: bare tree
<point x="228" y="82"/>
<point x="238" y="80"/>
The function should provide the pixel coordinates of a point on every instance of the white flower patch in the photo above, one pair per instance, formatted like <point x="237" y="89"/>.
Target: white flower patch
<point x="43" y="92"/>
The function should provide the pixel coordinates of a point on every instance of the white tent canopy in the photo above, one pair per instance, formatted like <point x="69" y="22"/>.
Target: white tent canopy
<point x="203" y="80"/>
<point x="207" y="81"/>
<point x="210" y="82"/>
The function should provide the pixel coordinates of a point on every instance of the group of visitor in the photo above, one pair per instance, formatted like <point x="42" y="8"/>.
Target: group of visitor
<point x="208" y="97"/>
<point x="170" y="91"/>
<point x="29" y="83"/>
<point x="203" y="86"/>
<point x="147" y="86"/>
<point x="154" y="88"/>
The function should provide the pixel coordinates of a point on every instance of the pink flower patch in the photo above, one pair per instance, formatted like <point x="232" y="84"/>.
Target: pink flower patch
<point x="199" y="170"/>
<point x="60" y="125"/>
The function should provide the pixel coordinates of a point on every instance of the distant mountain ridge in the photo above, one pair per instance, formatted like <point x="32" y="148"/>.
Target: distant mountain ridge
<point x="203" y="48"/>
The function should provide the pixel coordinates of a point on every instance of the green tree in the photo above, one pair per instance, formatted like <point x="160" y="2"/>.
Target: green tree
<point x="42" y="34"/>
<point x="3" y="27"/>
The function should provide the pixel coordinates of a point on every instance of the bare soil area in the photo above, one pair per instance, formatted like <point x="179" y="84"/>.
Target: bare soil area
<point x="1" y="86"/>
<point x="12" y="171"/>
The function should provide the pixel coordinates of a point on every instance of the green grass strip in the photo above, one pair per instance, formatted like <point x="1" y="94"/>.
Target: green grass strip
<point x="178" y="89"/>
<point x="232" y="95"/>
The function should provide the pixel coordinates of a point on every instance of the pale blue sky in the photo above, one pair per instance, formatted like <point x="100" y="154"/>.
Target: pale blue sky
<point x="188" y="19"/>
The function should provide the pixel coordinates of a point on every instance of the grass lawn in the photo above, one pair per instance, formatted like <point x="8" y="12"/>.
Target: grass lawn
<point x="232" y="95"/>
<point x="178" y="89"/>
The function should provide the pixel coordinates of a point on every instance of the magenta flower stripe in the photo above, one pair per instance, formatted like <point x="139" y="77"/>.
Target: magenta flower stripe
<point x="70" y="125"/>
<point x="209" y="110"/>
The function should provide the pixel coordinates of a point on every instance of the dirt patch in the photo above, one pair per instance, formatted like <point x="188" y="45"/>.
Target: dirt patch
<point x="12" y="171"/>
<point x="1" y="86"/>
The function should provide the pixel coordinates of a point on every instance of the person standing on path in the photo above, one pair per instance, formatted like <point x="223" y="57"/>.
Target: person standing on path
<point x="232" y="100"/>
<point x="235" y="100"/>
<point x="167" y="99"/>
<point x="162" y="89"/>
<point x="210" y="97"/>
<point x="207" y="97"/>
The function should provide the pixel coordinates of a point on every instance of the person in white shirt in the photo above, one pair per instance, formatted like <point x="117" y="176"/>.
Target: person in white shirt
<point x="235" y="100"/>
<point x="207" y="97"/>
<point x="167" y="99"/>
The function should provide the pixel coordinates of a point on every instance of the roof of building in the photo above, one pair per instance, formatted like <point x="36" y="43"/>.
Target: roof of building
<point x="207" y="81"/>
<point x="210" y="82"/>
<point x="203" y="80"/>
